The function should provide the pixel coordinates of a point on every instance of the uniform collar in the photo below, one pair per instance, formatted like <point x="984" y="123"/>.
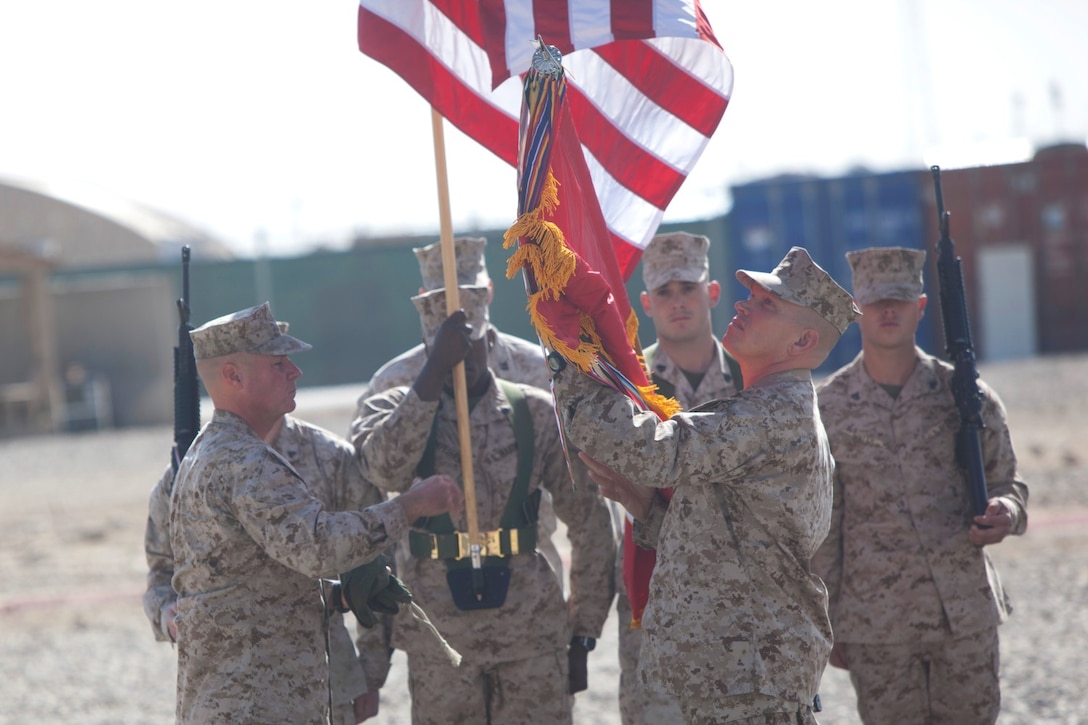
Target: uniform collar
<point x="289" y="441"/>
<point x="923" y="380"/>
<point x="233" y="422"/>
<point x="797" y="375"/>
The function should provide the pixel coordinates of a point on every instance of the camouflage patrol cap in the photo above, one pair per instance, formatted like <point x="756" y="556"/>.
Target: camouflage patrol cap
<point x="799" y="280"/>
<point x="679" y="256"/>
<point x="251" y="330"/>
<point x="432" y="310"/>
<point x="887" y="273"/>
<point x="471" y="265"/>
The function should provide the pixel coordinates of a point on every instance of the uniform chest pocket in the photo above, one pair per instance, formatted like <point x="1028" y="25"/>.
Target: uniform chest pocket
<point x="936" y="425"/>
<point x="857" y="445"/>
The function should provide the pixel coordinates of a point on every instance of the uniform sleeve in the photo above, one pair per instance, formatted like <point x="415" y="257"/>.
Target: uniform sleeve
<point x="400" y="371"/>
<point x="645" y="533"/>
<point x="293" y="527"/>
<point x="391" y="436"/>
<point x="353" y="491"/>
<point x="686" y="448"/>
<point x="827" y="561"/>
<point x="357" y="421"/>
<point x="160" y="594"/>
<point x="579" y="505"/>
<point x="1002" y="474"/>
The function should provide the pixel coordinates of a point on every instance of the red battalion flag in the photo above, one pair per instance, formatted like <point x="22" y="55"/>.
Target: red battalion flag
<point x="647" y="84"/>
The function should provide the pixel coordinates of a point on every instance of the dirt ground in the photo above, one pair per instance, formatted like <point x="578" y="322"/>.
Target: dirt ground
<point x="75" y="646"/>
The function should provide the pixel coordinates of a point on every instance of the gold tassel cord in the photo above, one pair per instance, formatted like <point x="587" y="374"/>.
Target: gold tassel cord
<point x="543" y="251"/>
<point x="547" y="255"/>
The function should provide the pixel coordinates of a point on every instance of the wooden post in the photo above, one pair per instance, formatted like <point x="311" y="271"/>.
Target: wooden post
<point x="43" y="346"/>
<point x="453" y="302"/>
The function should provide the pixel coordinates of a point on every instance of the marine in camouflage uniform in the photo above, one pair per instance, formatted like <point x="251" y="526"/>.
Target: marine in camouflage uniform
<point x="515" y="666"/>
<point x="915" y="601"/>
<point x="736" y="627"/>
<point x="250" y="540"/>
<point x="328" y="466"/>
<point x="511" y="357"/>
<point x="679" y="296"/>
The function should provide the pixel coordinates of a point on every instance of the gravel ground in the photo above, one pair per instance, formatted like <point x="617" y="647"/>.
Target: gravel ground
<point x="75" y="646"/>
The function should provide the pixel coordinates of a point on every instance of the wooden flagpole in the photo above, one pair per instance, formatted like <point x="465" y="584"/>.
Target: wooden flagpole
<point x="453" y="302"/>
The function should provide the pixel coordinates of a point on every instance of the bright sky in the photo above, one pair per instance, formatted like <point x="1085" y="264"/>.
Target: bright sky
<point x="260" y="119"/>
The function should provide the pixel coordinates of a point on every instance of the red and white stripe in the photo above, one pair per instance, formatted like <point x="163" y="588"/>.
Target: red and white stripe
<point x="647" y="84"/>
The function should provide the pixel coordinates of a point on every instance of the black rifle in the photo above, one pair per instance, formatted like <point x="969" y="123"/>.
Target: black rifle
<point x="186" y="387"/>
<point x="957" y="340"/>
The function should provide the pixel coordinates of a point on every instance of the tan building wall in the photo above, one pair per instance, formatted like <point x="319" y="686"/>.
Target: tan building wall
<point x="119" y="330"/>
<point x="113" y="330"/>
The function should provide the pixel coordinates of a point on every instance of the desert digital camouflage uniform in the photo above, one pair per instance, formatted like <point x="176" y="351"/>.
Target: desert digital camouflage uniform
<point x="328" y="466"/>
<point x="159" y="595"/>
<point x="251" y="539"/>
<point x="899" y="566"/>
<point x="511" y="357"/>
<point x="518" y="652"/>
<point x="647" y="702"/>
<point x="735" y="618"/>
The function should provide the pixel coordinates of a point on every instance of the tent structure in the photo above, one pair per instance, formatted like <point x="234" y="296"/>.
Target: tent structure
<point x="33" y="404"/>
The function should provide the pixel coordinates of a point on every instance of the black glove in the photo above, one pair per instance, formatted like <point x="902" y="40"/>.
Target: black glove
<point x="387" y="600"/>
<point x="362" y="583"/>
<point x="371" y="587"/>
<point x="577" y="670"/>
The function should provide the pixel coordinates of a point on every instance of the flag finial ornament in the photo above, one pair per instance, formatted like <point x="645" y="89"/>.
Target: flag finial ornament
<point x="547" y="60"/>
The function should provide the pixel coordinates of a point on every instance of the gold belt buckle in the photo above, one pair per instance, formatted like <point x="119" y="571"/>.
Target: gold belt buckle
<point x="492" y="543"/>
<point x="434" y="546"/>
<point x="464" y="548"/>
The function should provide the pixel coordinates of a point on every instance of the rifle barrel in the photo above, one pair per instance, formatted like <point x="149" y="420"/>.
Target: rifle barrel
<point x="937" y="189"/>
<point x="958" y="345"/>
<point x="183" y="303"/>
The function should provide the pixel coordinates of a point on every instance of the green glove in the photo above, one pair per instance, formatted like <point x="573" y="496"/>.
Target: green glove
<point x="388" y="600"/>
<point x="360" y="584"/>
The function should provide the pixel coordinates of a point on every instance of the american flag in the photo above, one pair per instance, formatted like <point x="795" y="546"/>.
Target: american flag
<point x="647" y="86"/>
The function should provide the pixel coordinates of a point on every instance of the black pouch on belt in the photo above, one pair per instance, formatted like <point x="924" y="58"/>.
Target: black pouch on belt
<point x="492" y="581"/>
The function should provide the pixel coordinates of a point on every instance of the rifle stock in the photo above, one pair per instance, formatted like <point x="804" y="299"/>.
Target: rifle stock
<point x="958" y="345"/>
<point x="186" y="387"/>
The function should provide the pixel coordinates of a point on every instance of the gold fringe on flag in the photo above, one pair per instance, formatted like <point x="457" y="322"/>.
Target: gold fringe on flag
<point x="552" y="264"/>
